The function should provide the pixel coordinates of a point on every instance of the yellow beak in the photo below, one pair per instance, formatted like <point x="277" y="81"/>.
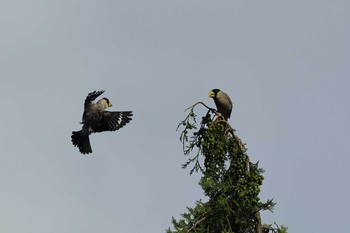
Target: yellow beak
<point x="211" y="94"/>
<point x="110" y="104"/>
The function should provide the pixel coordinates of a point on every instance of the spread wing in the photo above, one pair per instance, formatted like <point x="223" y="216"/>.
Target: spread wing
<point x="91" y="97"/>
<point x="112" y="121"/>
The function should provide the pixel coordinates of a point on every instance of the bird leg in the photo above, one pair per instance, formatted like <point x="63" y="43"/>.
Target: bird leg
<point x="219" y="117"/>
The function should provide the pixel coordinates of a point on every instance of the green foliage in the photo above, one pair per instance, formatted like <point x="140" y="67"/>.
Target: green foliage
<point x="230" y="181"/>
<point x="277" y="229"/>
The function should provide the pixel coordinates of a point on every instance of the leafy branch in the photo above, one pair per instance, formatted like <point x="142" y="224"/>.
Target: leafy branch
<point x="230" y="181"/>
<point x="277" y="229"/>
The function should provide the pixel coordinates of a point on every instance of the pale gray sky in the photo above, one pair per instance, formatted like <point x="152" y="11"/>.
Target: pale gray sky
<point x="284" y="63"/>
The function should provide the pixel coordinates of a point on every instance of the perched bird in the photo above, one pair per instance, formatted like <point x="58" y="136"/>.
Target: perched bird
<point x="222" y="101"/>
<point x="96" y="119"/>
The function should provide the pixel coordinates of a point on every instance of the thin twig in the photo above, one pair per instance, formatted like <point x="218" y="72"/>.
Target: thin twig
<point x="195" y="224"/>
<point x="201" y="102"/>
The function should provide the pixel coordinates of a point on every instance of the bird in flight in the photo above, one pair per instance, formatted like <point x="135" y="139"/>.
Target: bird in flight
<point x="96" y="119"/>
<point x="223" y="102"/>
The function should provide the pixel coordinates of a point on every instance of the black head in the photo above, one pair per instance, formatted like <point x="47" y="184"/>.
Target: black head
<point x="107" y="100"/>
<point x="213" y="93"/>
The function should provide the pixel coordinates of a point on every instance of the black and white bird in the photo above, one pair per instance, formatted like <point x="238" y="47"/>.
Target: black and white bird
<point x="96" y="119"/>
<point x="223" y="102"/>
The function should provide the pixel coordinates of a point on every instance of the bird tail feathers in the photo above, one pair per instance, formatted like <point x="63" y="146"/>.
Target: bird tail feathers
<point x="82" y="142"/>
